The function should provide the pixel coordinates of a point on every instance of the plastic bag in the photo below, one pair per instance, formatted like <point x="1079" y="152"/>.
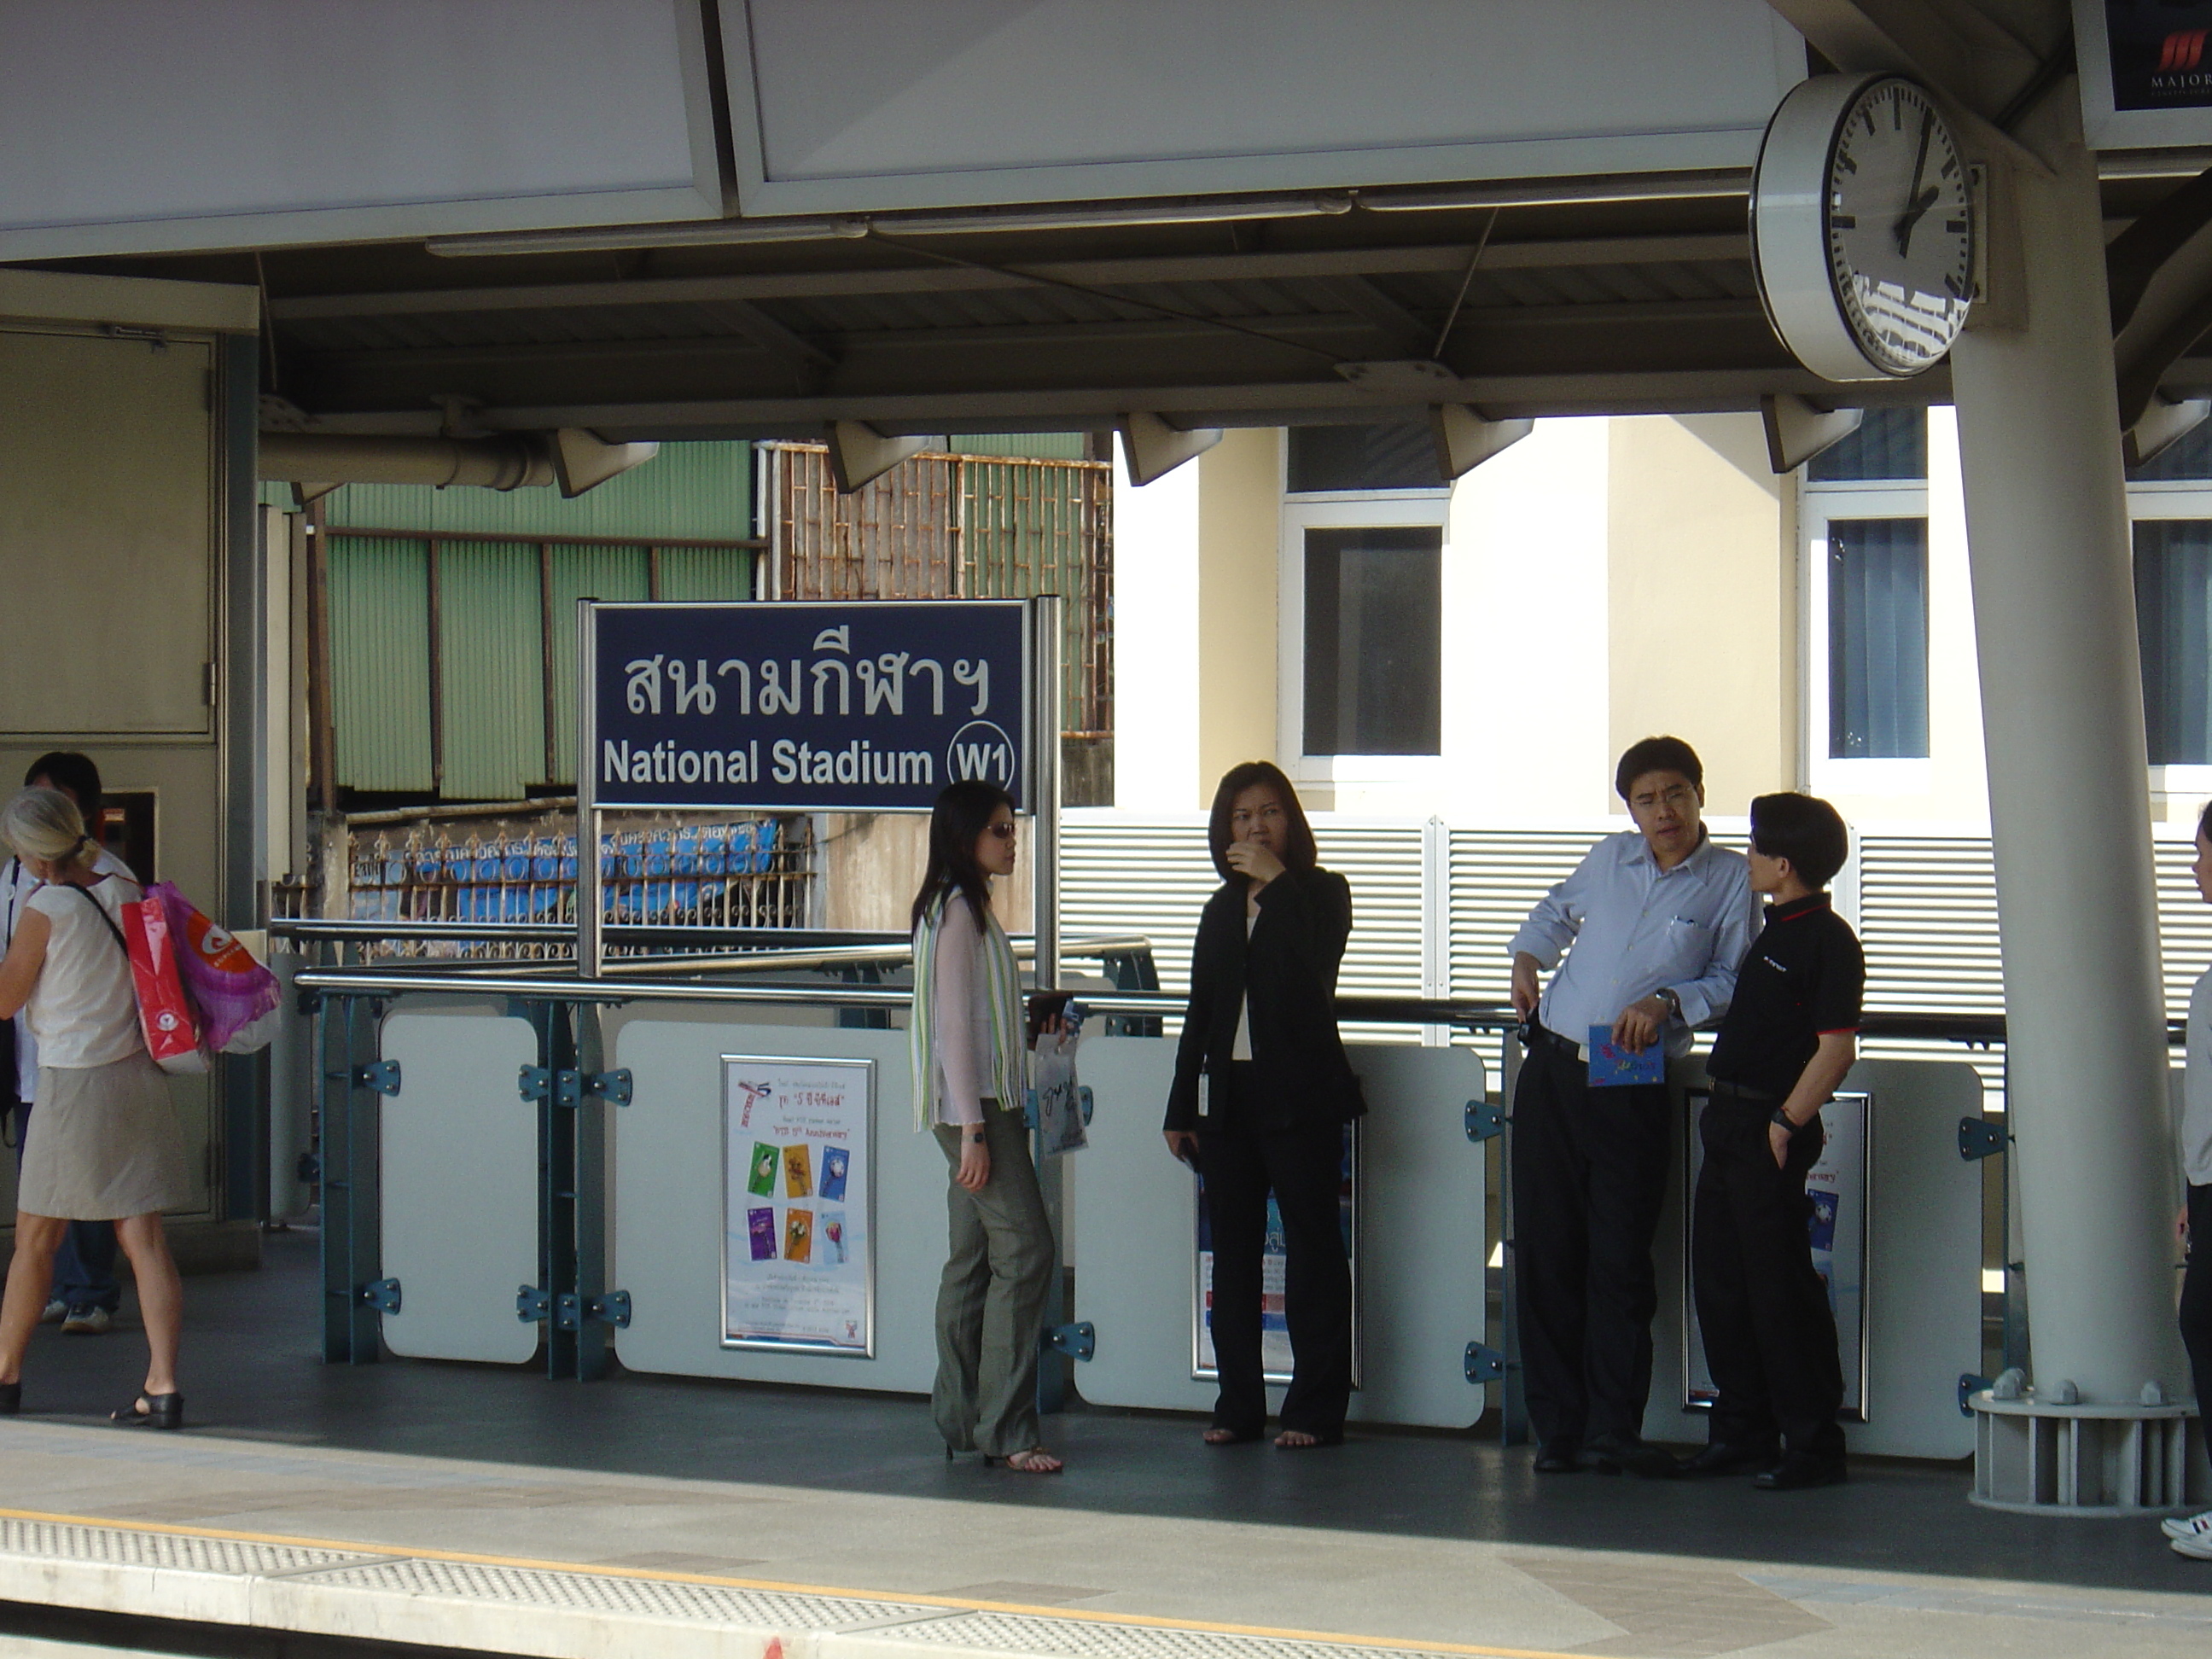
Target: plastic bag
<point x="1056" y="1102"/>
<point x="166" y="1019"/>
<point x="239" y="1001"/>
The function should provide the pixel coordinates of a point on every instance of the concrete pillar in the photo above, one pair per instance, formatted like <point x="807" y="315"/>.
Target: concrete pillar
<point x="2054" y="612"/>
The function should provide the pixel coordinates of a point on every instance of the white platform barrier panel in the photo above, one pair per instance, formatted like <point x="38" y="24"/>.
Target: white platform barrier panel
<point x="459" y="1182"/>
<point x="1419" y="1247"/>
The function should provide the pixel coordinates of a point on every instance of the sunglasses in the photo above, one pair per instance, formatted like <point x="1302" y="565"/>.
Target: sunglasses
<point x="1003" y="831"/>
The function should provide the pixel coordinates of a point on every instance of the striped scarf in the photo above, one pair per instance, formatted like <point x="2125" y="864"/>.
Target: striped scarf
<point x="1002" y="988"/>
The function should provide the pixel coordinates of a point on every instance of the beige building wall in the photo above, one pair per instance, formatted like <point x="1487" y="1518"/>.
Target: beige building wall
<point x="1240" y="487"/>
<point x="1702" y="604"/>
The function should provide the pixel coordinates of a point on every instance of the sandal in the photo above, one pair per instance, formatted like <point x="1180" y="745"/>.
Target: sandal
<point x="151" y="1410"/>
<point x="1035" y="1461"/>
<point x="1222" y="1435"/>
<point x="1309" y="1442"/>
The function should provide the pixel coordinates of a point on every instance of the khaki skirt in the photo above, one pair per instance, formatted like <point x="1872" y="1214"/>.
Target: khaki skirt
<point x="103" y="1144"/>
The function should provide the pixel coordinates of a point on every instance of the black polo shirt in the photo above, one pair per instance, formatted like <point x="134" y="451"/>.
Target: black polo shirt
<point x="1802" y="977"/>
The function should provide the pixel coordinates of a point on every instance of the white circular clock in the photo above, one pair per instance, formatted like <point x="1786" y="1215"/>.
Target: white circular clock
<point x="1862" y="227"/>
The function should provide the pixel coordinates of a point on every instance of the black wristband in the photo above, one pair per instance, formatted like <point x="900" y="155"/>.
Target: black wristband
<point x="1781" y="1115"/>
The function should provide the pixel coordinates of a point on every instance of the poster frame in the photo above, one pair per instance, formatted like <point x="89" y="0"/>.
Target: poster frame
<point x="867" y="1066"/>
<point x="1694" y="1102"/>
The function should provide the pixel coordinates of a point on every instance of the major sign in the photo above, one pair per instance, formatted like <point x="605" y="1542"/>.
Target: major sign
<point x="807" y="707"/>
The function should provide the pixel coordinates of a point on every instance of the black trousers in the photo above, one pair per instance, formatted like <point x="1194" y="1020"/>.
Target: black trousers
<point x="1303" y="1164"/>
<point x="2197" y="1294"/>
<point x="1589" y="1174"/>
<point x="1769" y="1334"/>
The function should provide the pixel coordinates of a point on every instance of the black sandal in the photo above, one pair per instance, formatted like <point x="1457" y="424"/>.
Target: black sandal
<point x="161" y="1411"/>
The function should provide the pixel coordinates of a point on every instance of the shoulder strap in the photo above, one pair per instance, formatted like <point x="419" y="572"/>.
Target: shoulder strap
<point x="121" y="944"/>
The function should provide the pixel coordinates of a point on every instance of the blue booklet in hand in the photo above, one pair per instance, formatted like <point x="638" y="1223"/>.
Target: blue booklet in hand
<point x="1611" y="1066"/>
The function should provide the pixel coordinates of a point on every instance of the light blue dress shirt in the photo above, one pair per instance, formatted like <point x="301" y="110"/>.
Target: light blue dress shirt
<point x="1629" y="929"/>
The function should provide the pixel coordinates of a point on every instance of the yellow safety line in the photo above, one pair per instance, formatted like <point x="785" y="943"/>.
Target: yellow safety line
<point x="964" y="1604"/>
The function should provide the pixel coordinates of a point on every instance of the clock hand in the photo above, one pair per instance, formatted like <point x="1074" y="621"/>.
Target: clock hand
<point x="1916" y="203"/>
<point x="1912" y="215"/>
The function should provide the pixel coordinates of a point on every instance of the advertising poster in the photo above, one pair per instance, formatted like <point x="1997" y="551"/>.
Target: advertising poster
<point x="1274" y="1331"/>
<point x="1837" y="1232"/>
<point x="2157" y="54"/>
<point x="798" y="1270"/>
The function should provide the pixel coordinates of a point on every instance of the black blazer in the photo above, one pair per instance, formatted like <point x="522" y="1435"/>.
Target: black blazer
<point x="1288" y="968"/>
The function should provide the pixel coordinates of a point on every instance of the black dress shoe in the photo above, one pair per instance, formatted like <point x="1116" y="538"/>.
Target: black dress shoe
<point x="1796" y="1472"/>
<point x="1560" y="1457"/>
<point x="1615" y="1454"/>
<point x="1732" y="1457"/>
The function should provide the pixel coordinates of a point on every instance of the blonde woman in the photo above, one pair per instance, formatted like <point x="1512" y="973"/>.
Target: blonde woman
<point x="106" y="1147"/>
<point x="970" y="1065"/>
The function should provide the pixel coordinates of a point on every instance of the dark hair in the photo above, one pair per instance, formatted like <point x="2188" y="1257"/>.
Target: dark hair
<point x="75" y="775"/>
<point x="956" y="822"/>
<point x="1806" y="830"/>
<point x="2205" y="822"/>
<point x="1298" y="852"/>
<point x="1658" y="755"/>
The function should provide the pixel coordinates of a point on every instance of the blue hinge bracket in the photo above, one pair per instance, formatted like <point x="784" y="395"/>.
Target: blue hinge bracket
<point x="1486" y="1119"/>
<point x="1485" y="1365"/>
<point x="1978" y="1138"/>
<point x="532" y="1304"/>
<point x="381" y="1075"/>
<point x="569" y="1088"/>
<point x="1080" y="1338"/>
<point x="382" y="1294"/>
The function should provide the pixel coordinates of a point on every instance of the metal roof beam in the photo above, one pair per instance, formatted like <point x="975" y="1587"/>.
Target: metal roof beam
<point x="1442" y="259"/>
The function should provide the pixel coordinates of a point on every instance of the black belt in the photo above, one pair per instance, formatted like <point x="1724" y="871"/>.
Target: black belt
<point x="1543" y="1036"/>
<point x="1722" y="1088"/>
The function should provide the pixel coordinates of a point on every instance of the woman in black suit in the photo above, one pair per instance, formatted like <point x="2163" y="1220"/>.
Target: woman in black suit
<point x="1262" y="1092"/>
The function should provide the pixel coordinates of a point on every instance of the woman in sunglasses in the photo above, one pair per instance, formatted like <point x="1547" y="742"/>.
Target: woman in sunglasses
<point x="967" y="1041"/>
<point x="1262" y="1091"/>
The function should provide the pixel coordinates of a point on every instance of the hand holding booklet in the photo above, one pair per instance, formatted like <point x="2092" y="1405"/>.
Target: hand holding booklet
<point x="1611" y="1066"/>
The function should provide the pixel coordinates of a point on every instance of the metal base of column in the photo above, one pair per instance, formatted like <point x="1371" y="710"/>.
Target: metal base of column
<point x="2038" y="1457"/>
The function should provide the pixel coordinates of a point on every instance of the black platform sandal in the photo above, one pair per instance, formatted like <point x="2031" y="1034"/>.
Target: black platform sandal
<point x="162" y="1411"/>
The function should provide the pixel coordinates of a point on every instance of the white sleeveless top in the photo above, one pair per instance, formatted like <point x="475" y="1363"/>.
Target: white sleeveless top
<point x="83" y="1009"/>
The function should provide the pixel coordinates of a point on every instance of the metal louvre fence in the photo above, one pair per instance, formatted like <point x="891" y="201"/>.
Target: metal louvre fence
<point x="1926" y="905"/>
<point x="943" y="525"/>
<point x="670" y="870"/>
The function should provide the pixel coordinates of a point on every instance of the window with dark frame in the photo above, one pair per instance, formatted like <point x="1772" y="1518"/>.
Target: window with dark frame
<point x="1335" y="459"/>
<point x="1889" y="444"/>
<point x="2174" y="625"/>
<point x="1374" y="642"/>
<point x="1877" y="639"/>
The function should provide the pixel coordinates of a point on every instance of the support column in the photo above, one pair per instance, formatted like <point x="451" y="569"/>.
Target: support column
<point x="2054" y="613"/>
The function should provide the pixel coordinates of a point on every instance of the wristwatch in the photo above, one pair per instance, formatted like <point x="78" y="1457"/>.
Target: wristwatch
<point x="1666" y="994"/>
<point x="1781" y="1114"/>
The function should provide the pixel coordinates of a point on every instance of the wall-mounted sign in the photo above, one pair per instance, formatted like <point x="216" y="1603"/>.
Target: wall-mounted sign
<point x="798" y="1211"/>
<point x="2145" y="72"/>
<point x="861" y="708"/>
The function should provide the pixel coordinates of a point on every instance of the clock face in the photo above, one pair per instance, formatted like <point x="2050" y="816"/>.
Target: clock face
<point x="1899" y="226"/>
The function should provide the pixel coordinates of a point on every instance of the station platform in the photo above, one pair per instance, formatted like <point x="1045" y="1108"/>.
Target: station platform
<point x="314" y="1510"/>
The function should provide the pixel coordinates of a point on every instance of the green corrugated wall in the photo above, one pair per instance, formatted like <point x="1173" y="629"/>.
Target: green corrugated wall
<point x="1036" y="445"/>
<point x="380" y="662"/>
<point x="491" y="668"/>
<point x="596" y="573"/>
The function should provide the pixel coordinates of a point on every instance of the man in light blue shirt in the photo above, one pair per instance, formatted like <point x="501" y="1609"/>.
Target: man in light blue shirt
<point x="1653" y="922"/>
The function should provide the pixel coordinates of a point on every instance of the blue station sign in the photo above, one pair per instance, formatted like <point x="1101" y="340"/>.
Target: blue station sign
<point x="857" y="707"/>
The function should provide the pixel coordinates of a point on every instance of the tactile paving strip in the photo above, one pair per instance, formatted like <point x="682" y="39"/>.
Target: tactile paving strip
<point x="59" y="1541"/>
<point x="1019" y="1633"/>
<point x="585" y="1592"/>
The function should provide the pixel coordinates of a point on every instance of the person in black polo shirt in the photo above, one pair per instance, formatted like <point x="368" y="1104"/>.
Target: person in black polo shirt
<point x="1786" y="1041"/>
